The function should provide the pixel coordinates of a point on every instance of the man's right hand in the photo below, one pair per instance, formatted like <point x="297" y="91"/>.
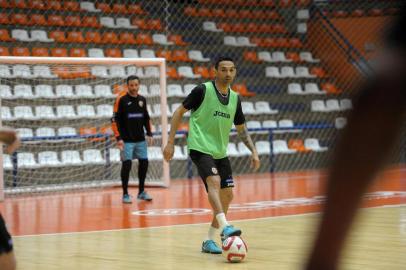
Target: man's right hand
<point x="168" y="151"/>
<point x="120" y="145"/>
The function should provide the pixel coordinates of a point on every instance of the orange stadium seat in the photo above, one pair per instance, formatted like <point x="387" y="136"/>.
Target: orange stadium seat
<point x="37" y="4"/>
<point x="71" y="6"/>
<point x="340" y="14"/>
<point x="252" y="28"/>
<point x="18" y="4"/>
<point x="5" y="36"/>
<point x="225" y="26"/>
<point x="177" y="39"/>
<point x="140" y="23"/>
<point x="89" y="131"/>
<point x="110" y="38"/>
<point x="184" y="126"/>
<point x="258" y="41"/>
<point x="18" y="18"/>
<point x="106" y="130"/>
<point x="259" y="14"/>
<point x="4" y="18"/>
<point x="91" y="21"/>
<point x="165" y="54"/>
<point x="172" y="73"/>
<point x="119" y="89"/>
<point x="239" y="28"/>
<point x="104" y="7"/>
<point x="375" y="12"/>
<point x="203" y="71"/>
<point x="62" y="72"/>
<point x="136" y="9"/>
<point x="4" y="4"/>
<point x="330" y="88"/>
<point x="204" y="12"/>
<point x="219" y="13"/>
<point x="357" y="13"/>
<point x="267" y="3"/>
<point x="232" y="13"/>
<point x="59" y="52"/>
<point x="251" y="57"/>
<point x="143" y="38"/>
<point x="285" y="3"/>
<point x="73" y="21"/>
<point x="58" y="36"/>
<point x="246" y="14"/>
<point x="181" y="56"/>
<point x="93" y="37"/>
<point x="294" y="56"/>
<point x="265" y="28"/>
<point x="113" y="52"/>
<point x="4" y="51"/>
<point x="191" y="11"/>
<point x="120" y="8"/>
<point x="243" y="90"/>
<point x="282" y="42"/>
<point x="295" y="43"/>
<point x="271" y="42"/>
<point x="81" y="72"/>
<point x="55" y="20"/>
<point x="37" y="51"/>
<point x="279" y="28"/>
<point x="298" y="145"/>
<point x="155" y="24"/>
<point x="303" y="2"/>
<point x="75" y="36"/>
<point x="273" y="15"/>
<point x="127" y="38"/>
<point x="21" y="51"/>
<point x="318" y="71"/>
<point x="77" y="52"/>
<point x="54" y="5"/>
<point x="38" y="19"/>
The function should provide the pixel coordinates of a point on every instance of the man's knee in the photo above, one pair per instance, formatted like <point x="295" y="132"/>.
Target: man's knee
<point x="227" y="195"/>
<point x="213" y="182"/>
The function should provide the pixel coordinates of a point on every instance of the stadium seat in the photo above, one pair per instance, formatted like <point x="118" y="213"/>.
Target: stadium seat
<point x="44" y="91"/>
<point x="93" y="157"/>
<point x="279" y="56"/>
<point x="188" y="88"/>
<point x="77" y="52"/>
<point x="6" y="114"/>
<point x="197" y="55"/>
<point x="26" y="160"/>
<point x="5" y="92"/>
<point x="308" y="57"/>
<point x="248" y="107"/>
<point x="295" y="89"/>
<point x="18" y="18"/>
<point x="5" y="36"/>
<point x="115" y="155"/>
<point x="155" y="24"/>
<point x="59" y="52"/>
<point x="269" y="124"/>
<point x="232" y="150"/>
<point x="287" y="72"/>
<point x="55" y="20"/>
<point x="136" y="9"/>
<point x="301" y="28"/>
<point x="104" y="7"/>
<point x="65" y="112"/>
<point x="44" y="112"/>
<point x="285" y="123"/>
<point x="332" y="105"/>
<point x="143" y="91"/>
<point x="58" y="36"/>
<point x="330" y="88"/>
<point x="95" y="52"/>
<point x="93" y="37"/>
<point x="253" y="124"/>
<point x="243" y="149"/>
<point x="230" y="41"/>
<point x="40" y="52"/>
<point x="319" y="72"/>
<point x="177" y="39"/>
<point x="172" y="73"/>
<point x="64" y="91"/>
<point x="108" y="22"/>
<point x="251" y="57"/>
<point x="340" y="122"/>
<point x="152" y="72"/>
<point x="179" y="154"/>
<point x="127" y="38"/>
<point x="244" y="42"/>
<point x="157" y="110"/>
<point x="91" y="21"/>
<point x="146" y="53"/>
<point x="187" y="72"/>
<point x="101" y="90"/>
<point x="140" y="23"/>
<point x="110" y="38"/>
<point x="54" y="5"/>
<point x="303" y="72"/>
<point x="5" y="71"/>
<point x="104" y="111"/>
<point x="174" y="90"/>
<point x="89" y="6"/>
<point x="113" y="52"/>
<point x="23" y="91"/>
<point x="345" y="104"/>
<point x="312" y="88"/>
<point x="273" y="72"/>
<point x="38" y="19"/>
<point x="22" y="71"/>
<point x="202" y="71"/>
<point x="23" y="112"/>
<point x="40" y="35"/>
<point x="130" y="53"/>
<point x="303" y="14"/>
<point x="263" y="147"/>
<point x="139" y="71"/>
<point x="293" y="57"/>
<point x="86" y="111"/>
<point x="43" y="72"/>
<point x="73" y="21"/>
<point x="211" y="27"/>
<point x="71" y="158"/>
<point x="124" y="23"/>
<point x="281" y="147"/>
<point x="67" y="131"/>
<point x="119" y="8"/>
<point x="313" y="145"/>
<point x="167" y="54"/>
<point x="298" y="145"/>
<point x="161" y="39"/>
<point x="20" y="35"/>
<point x="71" y="5"/>
<point x="181" y="56"/>
<point x="45" y="132"/>
<point x="117" y="71"/>
<point x="265" y="56"/>
<point x="83" y="91"/>
<point x="75" y="37"/>
<point x="7" y="163"/>
<point x="155" y="153"/>
<point x="318" y="106"/>
<point x="243" y="90"/>
<point x="25" y="133"/>
<point x="4" y="19"/>
<point x="100" y="71"/>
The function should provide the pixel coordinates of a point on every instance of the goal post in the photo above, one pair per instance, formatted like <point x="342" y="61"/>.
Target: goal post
<point x="62" y="109"/>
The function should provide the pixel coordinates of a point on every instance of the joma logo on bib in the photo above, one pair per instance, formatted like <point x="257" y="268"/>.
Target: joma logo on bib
<point x="221" y="114"/>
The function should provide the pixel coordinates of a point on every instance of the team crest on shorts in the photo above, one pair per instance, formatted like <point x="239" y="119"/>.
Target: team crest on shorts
<point x="141" y="103"/>
<point x="214" y="170"/>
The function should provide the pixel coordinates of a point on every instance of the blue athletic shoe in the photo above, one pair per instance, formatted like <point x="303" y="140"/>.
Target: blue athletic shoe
<point x="229" y="231"/>
<point x="127" y="198"/>
<point x="144" y="196"/>
<point x="209" y="246"/>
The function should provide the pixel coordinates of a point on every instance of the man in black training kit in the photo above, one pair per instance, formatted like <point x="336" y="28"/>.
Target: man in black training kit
<point x="7" y="258"/>
<point x="371" y="132"/>
<point x="128" y="123"/>
<point x="214" y="109"/>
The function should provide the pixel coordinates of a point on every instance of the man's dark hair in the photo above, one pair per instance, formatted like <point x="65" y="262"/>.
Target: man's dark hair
<point x="133" y="77"/>
<point x="221" y="59"/>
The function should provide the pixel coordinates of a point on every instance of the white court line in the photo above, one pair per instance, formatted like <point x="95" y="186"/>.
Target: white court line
<point x="195" y="224"/>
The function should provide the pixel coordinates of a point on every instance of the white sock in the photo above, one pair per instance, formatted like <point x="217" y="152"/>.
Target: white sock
<point x="212" y="233"/>
<point x="221" y="218"/>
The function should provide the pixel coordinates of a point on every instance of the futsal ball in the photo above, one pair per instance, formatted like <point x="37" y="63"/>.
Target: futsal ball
<point x="234" y="249"/>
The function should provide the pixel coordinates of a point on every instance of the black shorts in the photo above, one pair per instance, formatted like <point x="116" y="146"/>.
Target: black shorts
<point x="6" y="244"/>
<point x="208" y="166"/>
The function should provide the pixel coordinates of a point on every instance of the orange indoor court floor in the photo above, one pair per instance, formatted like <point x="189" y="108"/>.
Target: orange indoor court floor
<point x="185" y="202"/>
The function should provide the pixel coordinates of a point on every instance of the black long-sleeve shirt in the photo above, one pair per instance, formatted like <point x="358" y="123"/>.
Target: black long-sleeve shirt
<point x="130" y="116"/>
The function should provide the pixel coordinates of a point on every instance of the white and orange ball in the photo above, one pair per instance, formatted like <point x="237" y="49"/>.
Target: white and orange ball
<point x="234" y="249"/>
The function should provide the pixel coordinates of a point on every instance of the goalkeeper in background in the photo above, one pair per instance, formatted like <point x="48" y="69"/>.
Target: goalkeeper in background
<point x="7" y="258"/>
<point x="129" y="120"/>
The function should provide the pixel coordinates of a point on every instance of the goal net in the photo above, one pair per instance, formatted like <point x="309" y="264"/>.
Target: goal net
<point x="62" y="110"/>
